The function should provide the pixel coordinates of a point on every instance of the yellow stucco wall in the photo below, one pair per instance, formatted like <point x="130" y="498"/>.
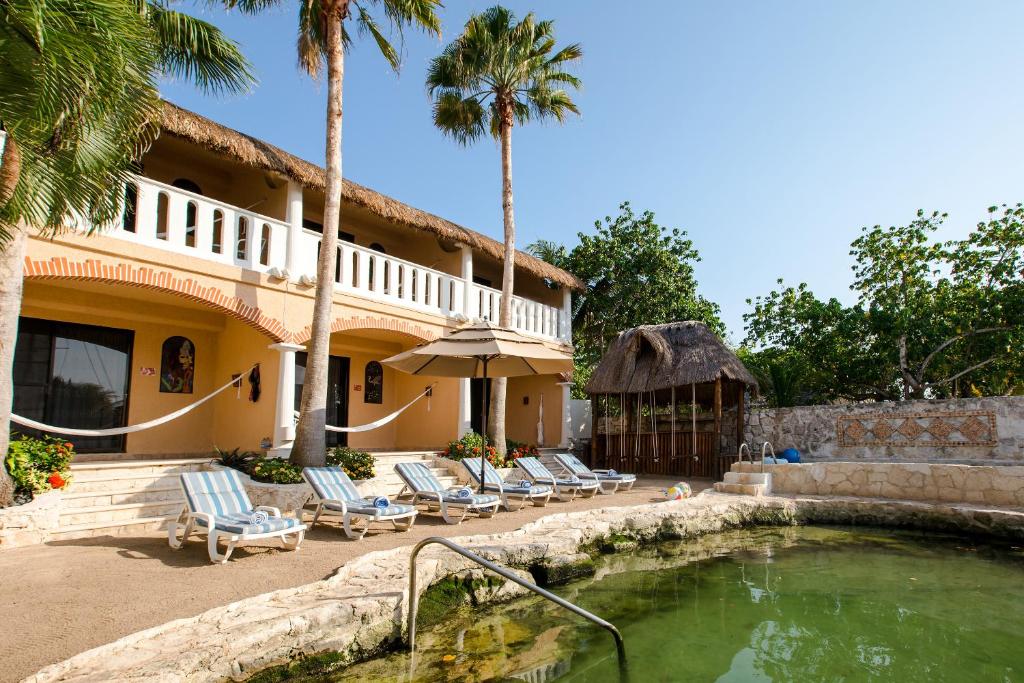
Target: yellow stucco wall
<point x="521" y="419"/>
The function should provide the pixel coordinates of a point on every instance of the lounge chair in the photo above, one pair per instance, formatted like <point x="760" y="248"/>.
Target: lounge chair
<point x="610" y="480"/>
<point x="538" y="494"/>
<point x="425" y="488"/>
<point x="335" y="494"/>
<point x="565" y="486"/>
<point x="216" y="502"/>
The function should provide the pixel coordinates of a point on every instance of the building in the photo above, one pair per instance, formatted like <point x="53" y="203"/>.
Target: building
<point x="211" y="272"/>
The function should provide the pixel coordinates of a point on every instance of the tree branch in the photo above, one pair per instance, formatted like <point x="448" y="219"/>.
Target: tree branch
<point x="962" y="373"/>
<point x="931" y="356"/>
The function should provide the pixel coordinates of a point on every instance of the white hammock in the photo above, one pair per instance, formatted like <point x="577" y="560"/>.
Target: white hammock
<point x="382" y="421"/>
<point x="130" y="429"/>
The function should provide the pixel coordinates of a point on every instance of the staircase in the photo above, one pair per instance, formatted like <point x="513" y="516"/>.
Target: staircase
<point x="113" y="497"/>
<point x="745" y="483"/>
<point x="387" y="483"/>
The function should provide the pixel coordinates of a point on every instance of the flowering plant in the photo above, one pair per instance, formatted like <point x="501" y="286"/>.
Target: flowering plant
<point x="39" y="465"/>
<point x="469" y="446"/>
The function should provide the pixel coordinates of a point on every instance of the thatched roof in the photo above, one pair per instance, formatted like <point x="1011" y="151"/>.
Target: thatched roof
<point x="653" y="357"/>
<point x="253" y="152"/>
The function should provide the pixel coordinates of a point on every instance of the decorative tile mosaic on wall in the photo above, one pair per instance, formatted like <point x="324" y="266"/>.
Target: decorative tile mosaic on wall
<point x="965" y="428"/>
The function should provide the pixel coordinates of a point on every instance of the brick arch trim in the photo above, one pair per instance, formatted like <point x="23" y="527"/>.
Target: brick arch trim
<point x="371" y="322"/>
<point x="91" y="270"/>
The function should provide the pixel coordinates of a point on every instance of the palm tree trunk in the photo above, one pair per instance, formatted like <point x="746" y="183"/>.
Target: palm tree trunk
<point x="310" y="448"/>
<point x="499" y="385"/>
<point x="12" y="258"/>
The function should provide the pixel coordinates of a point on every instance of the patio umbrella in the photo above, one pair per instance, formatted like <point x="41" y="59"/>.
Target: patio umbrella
<point x="485" y="351"/>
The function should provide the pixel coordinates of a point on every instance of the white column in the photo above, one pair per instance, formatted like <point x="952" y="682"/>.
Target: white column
<point x="467" y="278"/>
<point x="284" y="412"/>
<point x="566" y="327"/>
<point x="465" y="407"/>
<point x="566" y="414"/>
<point x="293" y="216"/>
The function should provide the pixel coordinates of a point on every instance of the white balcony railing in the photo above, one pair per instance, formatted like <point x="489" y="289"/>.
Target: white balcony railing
<point x="162" y="216"/>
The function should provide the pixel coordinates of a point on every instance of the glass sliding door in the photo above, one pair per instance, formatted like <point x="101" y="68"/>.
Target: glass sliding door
<point x="72" y="375"/>
<point x="337" y="394"/>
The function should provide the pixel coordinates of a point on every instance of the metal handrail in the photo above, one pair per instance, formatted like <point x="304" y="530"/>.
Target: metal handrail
<point x="766" y="446"/>
<point x="740" y="455"/>
<point x="414" y="597"/>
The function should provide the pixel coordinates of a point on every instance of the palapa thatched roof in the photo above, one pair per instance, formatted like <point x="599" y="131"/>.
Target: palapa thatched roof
<point x="254" y="152"/>
<point x="653" y="357"/>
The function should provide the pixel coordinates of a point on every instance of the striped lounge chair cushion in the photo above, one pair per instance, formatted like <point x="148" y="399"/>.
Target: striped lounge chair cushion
<point x="538" y="472"/>
<point x="576" y="466"/>
<point x="238" y="523"/>
<point x="366" y="507"/>
<point x="420" y="479"/>
<point x="217" y="493"/>
<point x="331" y="483"/>
<point x="494" y="482"/>
<point x="477" y="499"/>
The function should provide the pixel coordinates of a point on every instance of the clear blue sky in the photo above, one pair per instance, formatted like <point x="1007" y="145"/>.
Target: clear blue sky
<point x="769" y="131"/>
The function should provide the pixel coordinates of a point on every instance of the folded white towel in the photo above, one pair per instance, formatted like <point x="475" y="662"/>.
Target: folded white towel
<point x="381" y="502"/>
<point x="612" y="473"/>
<point x="525" y="484"/>
<point x="259" y="518"/>
<point x="464" y="492"/>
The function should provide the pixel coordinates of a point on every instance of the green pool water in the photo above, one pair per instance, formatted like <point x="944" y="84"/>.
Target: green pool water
<point x="793" y="604"/>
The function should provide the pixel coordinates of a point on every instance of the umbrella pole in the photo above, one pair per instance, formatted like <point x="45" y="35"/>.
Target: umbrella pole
<point x="487" y="411"/>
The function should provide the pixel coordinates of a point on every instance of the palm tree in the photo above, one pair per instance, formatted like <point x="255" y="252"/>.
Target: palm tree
<point x="496" y="74"/>
<point x="78" y="106"/>
<point x="323" y="37"/>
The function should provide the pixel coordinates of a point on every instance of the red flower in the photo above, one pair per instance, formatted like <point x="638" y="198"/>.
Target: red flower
<point x="69" y="445"/>
<point x="56" y="481"/>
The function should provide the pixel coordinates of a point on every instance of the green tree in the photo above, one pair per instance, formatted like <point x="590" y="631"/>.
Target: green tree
<point x="932" y="319"/>
<point x="637" y="272"/>
<point x="498" y="74"/>
<point x="323" y="38"/>
<point x="78" y="106"/>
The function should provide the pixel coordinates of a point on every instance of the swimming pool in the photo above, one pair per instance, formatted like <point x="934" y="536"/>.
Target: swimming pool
<point x="763" y="604"/>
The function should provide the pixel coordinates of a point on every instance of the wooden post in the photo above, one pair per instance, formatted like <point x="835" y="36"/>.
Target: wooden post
<point x="594" y="418"/>
<point x="716" y="447"/>
<point x="740" y="391"/>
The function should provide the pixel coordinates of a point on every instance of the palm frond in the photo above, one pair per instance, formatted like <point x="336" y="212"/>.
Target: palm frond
<point x="197" y="51"/>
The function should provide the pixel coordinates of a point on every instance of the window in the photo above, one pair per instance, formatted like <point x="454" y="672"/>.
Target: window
<point x="72" y="375"/>
<point x="242" y="240"/>
<point x="218" y="231"/>
<point x="131" y="207"/>
<point x="374" y="379"/>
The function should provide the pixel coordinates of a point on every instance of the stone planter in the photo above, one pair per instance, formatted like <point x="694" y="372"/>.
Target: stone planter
<point x="288" y="498"/>
<point x="31" y="523"/>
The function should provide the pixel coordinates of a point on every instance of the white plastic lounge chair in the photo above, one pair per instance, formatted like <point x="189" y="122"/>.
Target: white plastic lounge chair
<point x="425" y="488"/>
<point x="538" y="494"/>
<point x="566" y="486"/>
<point x="216" y="502"/>
<point x="610" y="480"/>
<point x="335" y="494"/>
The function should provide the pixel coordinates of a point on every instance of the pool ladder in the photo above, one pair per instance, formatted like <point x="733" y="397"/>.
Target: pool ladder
<point x="414" y="598"/>
<point x="765" y="447"/>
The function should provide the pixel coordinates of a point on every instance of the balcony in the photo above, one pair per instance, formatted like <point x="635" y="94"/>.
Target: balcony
<point x="166" y="217"/>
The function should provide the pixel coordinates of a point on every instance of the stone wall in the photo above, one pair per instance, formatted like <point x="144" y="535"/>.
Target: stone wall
<point x="989" y="430"/>
<point x="973" y="484"/>
<point x="31" y="523"/>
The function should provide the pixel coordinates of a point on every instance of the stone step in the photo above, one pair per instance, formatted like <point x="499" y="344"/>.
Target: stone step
<point x="96" y="471"/>
<point x="120" y="496"/>
<point x="389" y="460"/>
<point x="137" y="482"/>
<point x="740" y="489"/>
<point x="126" y="527"/>
<point x="135" y="457"/>
<point x="75" y="516"/>
<point x="749" y="478"/>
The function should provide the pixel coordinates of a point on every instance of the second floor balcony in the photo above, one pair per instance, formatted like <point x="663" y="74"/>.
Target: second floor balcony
<point x="171" y="218"/>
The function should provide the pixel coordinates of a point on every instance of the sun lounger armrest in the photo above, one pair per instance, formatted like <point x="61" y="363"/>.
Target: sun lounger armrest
<point x="600" y="471"/>
<point x="274" y="512"/>
<point x="202" y="516"/>
<point x="587" y="475"/>
<point x="335" y="501"/>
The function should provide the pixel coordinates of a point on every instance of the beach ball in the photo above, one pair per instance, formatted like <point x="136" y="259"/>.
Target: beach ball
<point x="679" y="491"/>
<point x="791" y="455"/>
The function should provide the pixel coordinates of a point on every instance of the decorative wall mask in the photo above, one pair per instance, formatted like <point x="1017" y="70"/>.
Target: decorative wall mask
<point x="177" y="365"/>
<point x="374" y="383"/>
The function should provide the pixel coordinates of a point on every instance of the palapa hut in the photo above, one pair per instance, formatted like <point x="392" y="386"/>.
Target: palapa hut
<point x="668" y="399"/>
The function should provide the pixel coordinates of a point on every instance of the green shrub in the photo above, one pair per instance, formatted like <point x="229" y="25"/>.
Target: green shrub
<point x="356" y="464"/>
<point x="275" y="471"/>
<point x="469" y="447"/>
<point x="236" y="459"/>
<point x="39" y="465"/>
